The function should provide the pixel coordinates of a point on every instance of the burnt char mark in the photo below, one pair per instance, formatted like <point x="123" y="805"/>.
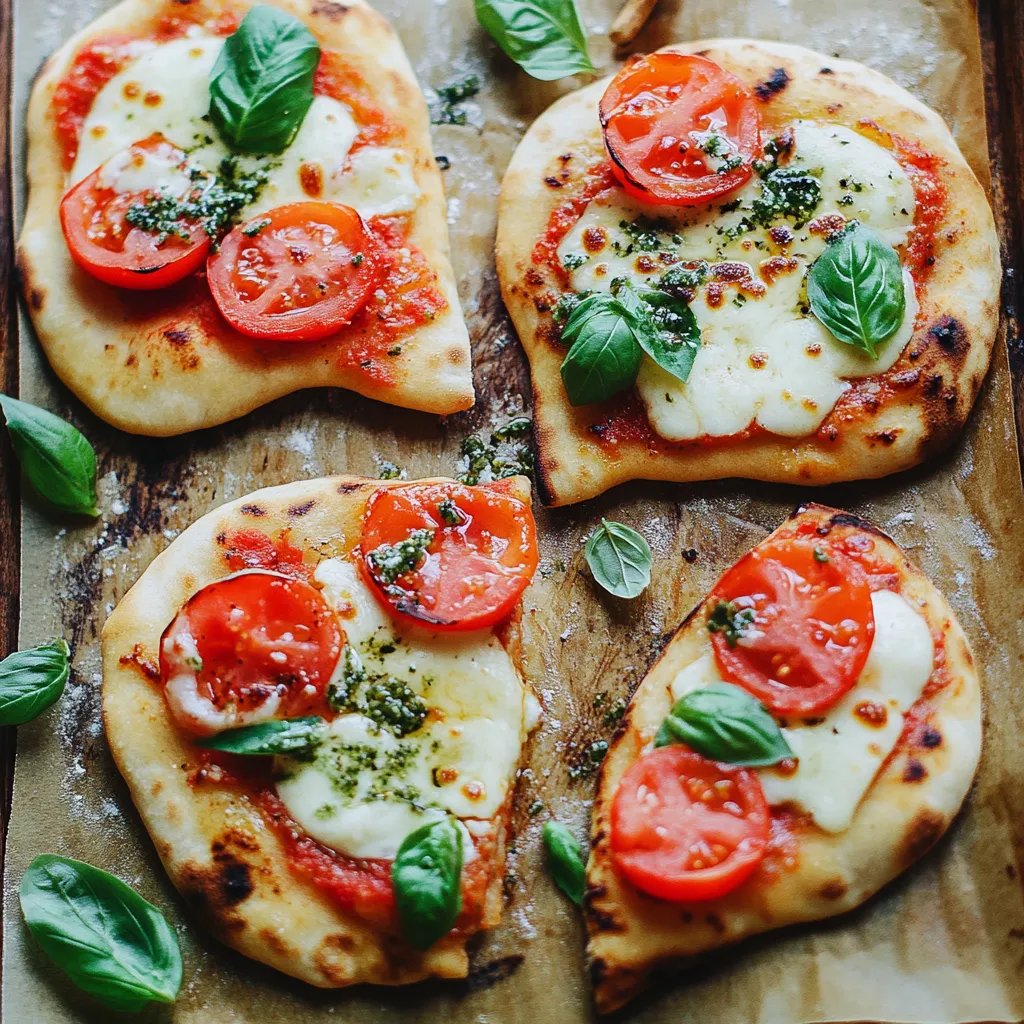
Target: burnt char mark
<point x="178" y="336"/>
<point x="931" y="737"/>
<point x="296" y="511"/>
<point x="951" y="335"/>
<point x="772" y="85"/>
<point x="887" y="437"/>
<point x="826" y="71"/>
<point x="235" y="883"/>
<point x="933" y="385"/>
<point x="914" y="770"/>
<point x="250" y="510"/>
<point x="331" y="11"/>
<point x="600" y="920"/>
<point x="348" y="488"/>
<point x="849" y="519"/>
<point x="490" y="974"/>
<point x="834" y="889"/>
<point x="35" y="298"/>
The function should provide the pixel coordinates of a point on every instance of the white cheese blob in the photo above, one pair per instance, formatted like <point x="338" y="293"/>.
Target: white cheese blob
<point x="764" y="359"/>
<point x="366" y="789"/>
<point x="838" y="756"/>
<point x="166" y="90"/>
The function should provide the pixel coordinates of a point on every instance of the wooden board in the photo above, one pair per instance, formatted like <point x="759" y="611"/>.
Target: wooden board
<point x="957" y="518"/>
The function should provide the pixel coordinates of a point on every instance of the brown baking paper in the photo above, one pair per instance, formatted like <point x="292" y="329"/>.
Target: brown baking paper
<point x="943" y="943"/>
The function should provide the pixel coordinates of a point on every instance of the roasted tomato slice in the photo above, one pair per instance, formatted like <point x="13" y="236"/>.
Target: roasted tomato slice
<point x="800" y="624"/>
<point x="297" y="273"/>
<point x="685" y="828"/>
<point x="249" y="647"/>
<point x="102" y="241"/>
<point x="679" y="129"/>
<point x="447" y="555"/>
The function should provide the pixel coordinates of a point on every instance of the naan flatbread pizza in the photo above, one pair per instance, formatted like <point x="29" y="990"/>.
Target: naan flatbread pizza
<point x="312" y="699"/>
<point x="744" y="258"/>
<point x="249" y="205"/>
<point x="809" y="732"/>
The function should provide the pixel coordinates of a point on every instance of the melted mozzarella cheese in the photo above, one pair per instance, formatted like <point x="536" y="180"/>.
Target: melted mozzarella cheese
<point x="365" y="788"/>
<point x="838" y="755"/>
<point x="166" y="90"/>
<point x="764" y="359"/>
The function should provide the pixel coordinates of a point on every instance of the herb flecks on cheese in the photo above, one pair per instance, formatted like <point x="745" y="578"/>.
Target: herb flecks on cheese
<point x="839" y="753"/>
<point x="379" y="774"/>
<point x="742" y="266"/>
<point x="166" y="90"/>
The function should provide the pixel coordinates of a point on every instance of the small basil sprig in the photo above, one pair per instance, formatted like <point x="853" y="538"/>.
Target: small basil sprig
<point x="56" y="458"/>
<point x="278" y="736"/>
<point x="108" y="940"/>
<point x="620" y="559"/>
<point x="427" y="876"/>
<point x="544" y="37"/>
<point x="855" y="289"/>
<point x="608" y="333"/>
<point x="725" y="723"/>
<point x="262" y="83"/>
<point x="32" y="680"/>
<point x="565" y="860"/>
<point x="730" y="621"/>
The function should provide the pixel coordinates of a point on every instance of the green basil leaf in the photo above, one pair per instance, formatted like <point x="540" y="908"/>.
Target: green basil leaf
<point x="604" y="357"/>
<point x="262" y="83"/>
<point x="107" y="939"/>
<point x="619" y="558"/>
<point x="565" y="860"/>
<point x="855" y="289"/>
<point x="278" y="736"/>
<point x="725" y="723"/>
<point x="669" y="332"/>
<point x="30" y="681"/>
<point x="427" y="876"/>
<point x="544" y="37"/>
<point x="56" y="458"/>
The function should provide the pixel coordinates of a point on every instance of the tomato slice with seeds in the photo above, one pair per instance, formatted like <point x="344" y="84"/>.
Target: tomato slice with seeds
<point x="102" y="242"/>
<point x="297" y="273"/>
<point x="809" y="624"/>
<point x="449" y="556"/>
<point x="685" y="828"/>
<point x="246" y="648"/>
<point x="679" y="129"/>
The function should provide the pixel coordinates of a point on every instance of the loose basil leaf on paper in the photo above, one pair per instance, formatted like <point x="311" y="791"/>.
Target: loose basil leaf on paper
<point x="565" y="860"/>
<point x="427" y="876"/>
<point x="604" y="354"/>
<point x="670" y="334"/>
<point x="262" y="83"/>
<point x="725" y="723"/>
<point x="619" y="558"/>
<point x="855" y="289"/>
<point x="32" y="680"/>
<point x="56" y="458"/>
<point x="544" y="37"/>
<point x="108" y="940"/>
<point x="278" y="736"/>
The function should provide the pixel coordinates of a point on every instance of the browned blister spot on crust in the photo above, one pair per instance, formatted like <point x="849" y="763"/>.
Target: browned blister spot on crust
<point x="141" y="660"/>
<point x="331" y="11"/>
<point x="251" y="509"/>
<point x="35" y="299"/>
<point x="297" y="511"/>
<point x="455" y="355"/>
<point x="951" y="336"/>
<point x="922" y="834"/>
<point x="274" y="941"/>
<point x="886" y="437"/>
<point x="834" y="889"/>
<point x="487" y="975"/>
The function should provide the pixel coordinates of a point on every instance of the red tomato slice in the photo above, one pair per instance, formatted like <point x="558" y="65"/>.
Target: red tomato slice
<point x="298" y="273"/>
<point x="103" y="243"/>
<point x="659" y="114"/>
<point x="685" y="828"/>
<point x="249" y="647"/>
<point x="812" y="624"/>
<point x="471" y="574"/>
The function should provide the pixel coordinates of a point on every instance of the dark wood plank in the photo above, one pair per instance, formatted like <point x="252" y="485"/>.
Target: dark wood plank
<point x="10" y="533"/>
<point x="1002" y="41"/>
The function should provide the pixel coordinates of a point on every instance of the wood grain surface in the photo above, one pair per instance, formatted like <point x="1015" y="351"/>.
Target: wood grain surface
<point x="163" y="486"/>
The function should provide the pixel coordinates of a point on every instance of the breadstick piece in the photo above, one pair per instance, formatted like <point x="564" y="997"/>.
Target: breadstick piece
<point x="631" y="19"/>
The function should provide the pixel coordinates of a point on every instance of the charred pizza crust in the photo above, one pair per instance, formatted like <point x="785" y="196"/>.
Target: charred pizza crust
<point x="163" y="363"/>
<point x="886" y="423"/>
<point x="910" y="804"/>
<point x="217" y="848"/>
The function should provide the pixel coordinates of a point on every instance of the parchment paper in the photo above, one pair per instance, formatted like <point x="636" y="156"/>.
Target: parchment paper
<point x="943" y="943"/>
